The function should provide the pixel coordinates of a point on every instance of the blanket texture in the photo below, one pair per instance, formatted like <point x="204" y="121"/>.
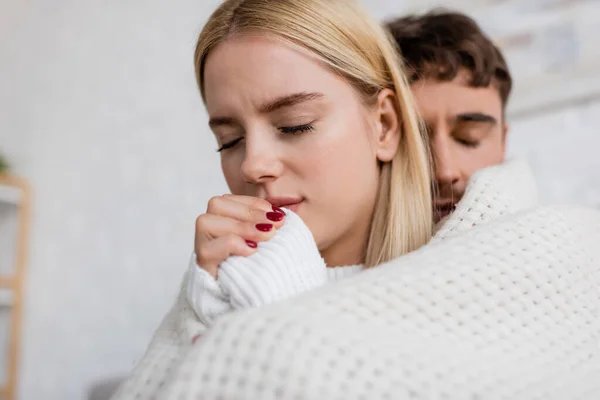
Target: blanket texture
<point x="503" y="303"/>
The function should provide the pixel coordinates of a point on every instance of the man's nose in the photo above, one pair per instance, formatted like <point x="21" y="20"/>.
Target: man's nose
<point x="446" y="169"/>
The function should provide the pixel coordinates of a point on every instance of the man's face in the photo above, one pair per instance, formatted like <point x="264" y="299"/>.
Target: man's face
<point x="466" y="131"/>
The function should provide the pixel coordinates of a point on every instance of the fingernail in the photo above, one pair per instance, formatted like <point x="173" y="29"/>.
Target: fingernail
<point x="195" y="338"/>
<point x="275" y="216"/>
<point x="278" y="210"/>
<point x="252" y="244"/>
<point x="264" y="227"/>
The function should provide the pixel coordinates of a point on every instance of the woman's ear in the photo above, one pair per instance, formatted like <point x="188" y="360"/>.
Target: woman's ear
<point x="388" y="132"/>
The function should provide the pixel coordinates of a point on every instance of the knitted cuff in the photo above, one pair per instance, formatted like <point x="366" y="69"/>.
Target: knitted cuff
<point x="286" y="265"/>
<point x="205" y="295"/>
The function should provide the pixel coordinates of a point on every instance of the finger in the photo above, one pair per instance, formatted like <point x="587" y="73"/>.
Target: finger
<point x="250" y="201"/>
<point x="211" y="226"/>
<point x="275" y="213"/>
<point x="255" y="202"/>
<point x="214" y="252"/>
<point x="245" y="208"/>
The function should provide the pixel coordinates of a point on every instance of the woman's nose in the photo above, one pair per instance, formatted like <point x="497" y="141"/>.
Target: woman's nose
<point x="262" y="159"/>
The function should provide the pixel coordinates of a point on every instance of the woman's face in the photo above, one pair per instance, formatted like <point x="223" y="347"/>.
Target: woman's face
<point x="294" y="133"/>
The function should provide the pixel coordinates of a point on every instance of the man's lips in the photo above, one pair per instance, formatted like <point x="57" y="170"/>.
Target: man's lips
<point x="442" y="210"/>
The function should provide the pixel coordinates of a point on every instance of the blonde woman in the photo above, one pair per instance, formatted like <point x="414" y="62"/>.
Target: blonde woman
<point x="311" y="114"/>
<point x="321" y="149"/>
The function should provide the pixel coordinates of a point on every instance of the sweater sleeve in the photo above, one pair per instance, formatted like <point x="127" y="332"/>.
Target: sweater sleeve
<point x="169" y="345"/>
<point x="286" y="265"/>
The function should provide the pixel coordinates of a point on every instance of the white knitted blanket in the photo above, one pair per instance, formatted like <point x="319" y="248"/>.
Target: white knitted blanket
<point x="502" y="304"/>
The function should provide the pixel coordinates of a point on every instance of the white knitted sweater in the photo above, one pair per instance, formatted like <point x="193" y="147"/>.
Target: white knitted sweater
<point x="502" y="304"/>
<point x="285" y="266"/>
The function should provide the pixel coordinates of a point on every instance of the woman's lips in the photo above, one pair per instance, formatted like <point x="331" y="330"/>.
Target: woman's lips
<point x="293" y="207"/>
<point x="291" y="203"/>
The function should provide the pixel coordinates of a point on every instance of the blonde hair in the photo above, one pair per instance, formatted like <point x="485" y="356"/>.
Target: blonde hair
<point x="342" y="36"/>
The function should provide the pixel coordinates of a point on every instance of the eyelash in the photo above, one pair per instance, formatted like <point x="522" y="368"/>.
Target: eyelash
<point x="294" y="130"/>
<point x="467" y="143"/>
<point x="288" y="130"/>
<point x="228" y="145"/>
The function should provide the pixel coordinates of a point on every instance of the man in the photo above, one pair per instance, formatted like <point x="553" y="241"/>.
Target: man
<point x="461" y="85"/>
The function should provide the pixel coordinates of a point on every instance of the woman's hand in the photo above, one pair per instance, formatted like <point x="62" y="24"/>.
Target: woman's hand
<point x="234" y="225"/>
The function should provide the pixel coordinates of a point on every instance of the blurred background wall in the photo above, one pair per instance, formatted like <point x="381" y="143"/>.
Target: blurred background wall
<point x="99" y="111"/>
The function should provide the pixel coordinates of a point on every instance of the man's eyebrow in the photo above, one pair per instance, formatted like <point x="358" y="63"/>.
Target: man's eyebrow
<point x="220" y="121"/>
<point x="476" y="117"/>
<point x="289" y="100"/>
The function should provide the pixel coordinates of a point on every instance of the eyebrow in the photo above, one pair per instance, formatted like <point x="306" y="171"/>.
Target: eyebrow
<point x="220" y="121"/>
<point x="476" y="117"/>
<point x="280" y="102"/>
<point x="289" y="100"/>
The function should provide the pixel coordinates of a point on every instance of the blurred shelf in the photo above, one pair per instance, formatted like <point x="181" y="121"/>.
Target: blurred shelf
<point x="14" y="191"/>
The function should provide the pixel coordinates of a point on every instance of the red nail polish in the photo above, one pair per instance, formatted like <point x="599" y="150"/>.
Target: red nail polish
<point x="275" y="216"/>
<point x="264" y="227"/>
<point x="278" y="210"/>
<point x="195" y="338"/>
<point x="252" y="244"/>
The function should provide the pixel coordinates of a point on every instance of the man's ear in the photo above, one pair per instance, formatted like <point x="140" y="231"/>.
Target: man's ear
<point x="389" y="130"/>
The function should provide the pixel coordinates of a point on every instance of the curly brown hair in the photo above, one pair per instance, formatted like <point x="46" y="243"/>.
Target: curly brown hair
<point x="439" y="43"/>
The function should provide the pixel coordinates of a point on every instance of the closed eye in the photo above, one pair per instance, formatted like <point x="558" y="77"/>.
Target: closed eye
<point x="229" y="145"/>
<point x="468" y="143"/>
<point x="291" y="130"/>
<point x="294" y="130"/>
